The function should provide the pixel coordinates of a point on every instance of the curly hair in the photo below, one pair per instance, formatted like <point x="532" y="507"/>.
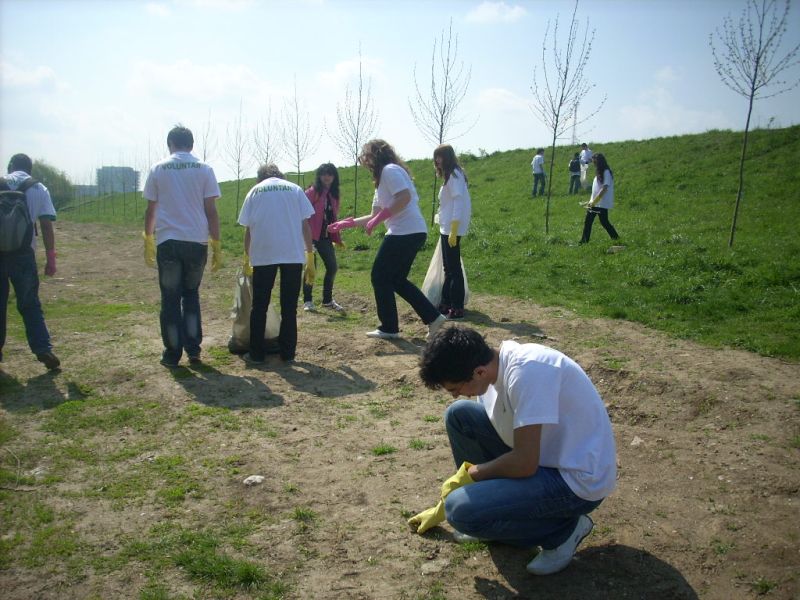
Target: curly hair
<point x="375" y="155"/>
<point x="452" y="356"/>
<point x="268" y="170"/>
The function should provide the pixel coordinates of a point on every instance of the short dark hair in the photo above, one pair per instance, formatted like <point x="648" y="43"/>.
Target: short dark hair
<point x="20" y="162"/>
<point x="452" y="356"/>
<point x="268" y="170"/>
<point x="180" y="138"/>
<point x="539" y="150"/>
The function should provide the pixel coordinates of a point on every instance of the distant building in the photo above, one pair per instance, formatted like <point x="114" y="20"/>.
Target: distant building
<point x="111" y="180"/>
<point x="81" y="191"/>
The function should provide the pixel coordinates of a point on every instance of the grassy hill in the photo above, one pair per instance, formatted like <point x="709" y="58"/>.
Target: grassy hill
<point x="673" y="208"/>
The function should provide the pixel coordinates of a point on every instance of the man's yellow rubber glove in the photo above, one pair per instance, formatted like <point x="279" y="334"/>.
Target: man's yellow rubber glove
<point x="452" y="239"/>
<point x="311" y="270"/>
<point x="427" y="518"/>
<point x="433" y="516"/>
<point x="216" y="254"/>
<point x="247" y="268"/>
<point x="149" y="249"/>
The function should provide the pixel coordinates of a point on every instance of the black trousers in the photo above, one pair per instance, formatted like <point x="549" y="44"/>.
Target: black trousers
<point x="263" y="282"/>
<point x="328" y="255"/>
<point x="453" y="288"/>
<point x="587" y="223"/>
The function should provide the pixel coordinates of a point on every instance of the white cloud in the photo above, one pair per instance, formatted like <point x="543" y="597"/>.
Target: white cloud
<point x="496" y="12"/>
<point x="40" y="78"/>
<point x="228" y="5"/>
<point x="501" y="99"/>
<point x="346" y="71"/>
<point x="666" y="75"/>
<point x="157" y="9"/>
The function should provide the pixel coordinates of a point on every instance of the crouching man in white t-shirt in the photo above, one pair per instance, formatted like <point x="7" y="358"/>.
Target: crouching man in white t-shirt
<point x="538" y="444"/>
<point x="278" y="238"/>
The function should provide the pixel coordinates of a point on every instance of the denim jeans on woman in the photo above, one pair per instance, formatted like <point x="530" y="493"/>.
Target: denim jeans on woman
<point x="263" y="282"/>
<point x="180" y="271"/>
<point x="390" y="275"/>
<point x="453" y="288"/>
<point x="540" y="510"/>
<point x="327" y="253"/>
<point x="19" y="269"/>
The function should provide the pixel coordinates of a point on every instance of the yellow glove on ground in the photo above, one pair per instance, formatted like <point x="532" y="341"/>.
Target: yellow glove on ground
<point x="149" y="249"/>
<point x="247" y="268"/>
<point x="452" y="239"/>
<point x="216" y="254"/>
<point x="427" y="518"/>
<point x="311" y="270"/>
<point x="460" y="479"/>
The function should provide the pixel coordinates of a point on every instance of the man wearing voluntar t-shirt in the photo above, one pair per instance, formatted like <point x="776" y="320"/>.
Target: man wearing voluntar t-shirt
<point x="181" y="218"/>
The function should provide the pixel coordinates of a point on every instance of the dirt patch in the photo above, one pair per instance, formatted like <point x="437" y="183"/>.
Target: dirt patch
<point x="707" y="502"/>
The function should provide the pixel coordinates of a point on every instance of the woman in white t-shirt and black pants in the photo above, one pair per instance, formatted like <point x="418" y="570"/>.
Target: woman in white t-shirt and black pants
<point x="602" y="199"/>
<point x="455" y="210"/>
<point x="396" y="202"/>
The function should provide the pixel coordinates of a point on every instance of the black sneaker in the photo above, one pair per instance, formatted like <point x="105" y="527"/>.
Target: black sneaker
<point x="195" y="360"/>
<point x="251" y="360"/>
<point x="49" y="360"/>
<point x="455" y="314"/>
<point x="170" y="364"/>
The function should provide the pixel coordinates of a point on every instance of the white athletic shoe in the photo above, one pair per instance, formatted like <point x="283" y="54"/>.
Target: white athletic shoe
<point x="434" y="326"/>
<point x="377" y="333"/>
<point x="333" y="305"/>
<point x="309" y="306"/>
<point x="552" y="561"/>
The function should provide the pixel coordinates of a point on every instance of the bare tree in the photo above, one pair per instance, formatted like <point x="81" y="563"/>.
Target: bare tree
<point x="237" y="153"/>
<point x="562" y="86"/>
<point x="296" y="136"/>
<point x="208" y="140"/>
<point x="356" y="121"/>
<point x="750" y="60"/>
<point x="435" y="112"/>
<point x="266" y="139"/>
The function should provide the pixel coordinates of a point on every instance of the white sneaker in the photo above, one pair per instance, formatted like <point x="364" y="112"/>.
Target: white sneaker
<point x="309" y="306"/>
<point x="434" y="326"/>
<point x="552" y="561"/>
<point x="377" y="333"/>
<point x="333" y="305"/>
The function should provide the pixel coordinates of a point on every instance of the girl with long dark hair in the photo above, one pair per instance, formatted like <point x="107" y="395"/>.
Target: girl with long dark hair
<point x="602" y="199"/>
<point x="396" y="202"/>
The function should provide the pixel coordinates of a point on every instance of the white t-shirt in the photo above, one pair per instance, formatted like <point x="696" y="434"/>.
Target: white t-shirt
<point x="607" y="201"/>
<point x="179" y="185"/>
<point x="586" y="156"/>
<point x="274" y="210"/>
<point x="394" y="179"/>
<point x="455" y="204"/>
<point x="538" y="164"/>
<point x="40" y="205"/>
<point x="537" y="385"/>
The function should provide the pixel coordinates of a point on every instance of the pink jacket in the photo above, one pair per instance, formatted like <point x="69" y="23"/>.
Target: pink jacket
<point x="315" y="220"/>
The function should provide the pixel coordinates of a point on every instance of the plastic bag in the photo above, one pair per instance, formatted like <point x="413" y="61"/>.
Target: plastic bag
<point x="434" y="278"/>
<point x="584" y="175"/>
<point x="239" y="343"/>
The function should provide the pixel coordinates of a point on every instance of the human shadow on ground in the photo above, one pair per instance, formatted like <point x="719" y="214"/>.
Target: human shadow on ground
<point x="214" y="388"/>
<point x="475" y="317"/>
<point x="601" y="573"/>
<point x="37" y="393"/>
<point x="325" y="383"/>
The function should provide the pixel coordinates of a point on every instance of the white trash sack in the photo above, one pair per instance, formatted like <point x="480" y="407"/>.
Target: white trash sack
<point x="434" y="278"/>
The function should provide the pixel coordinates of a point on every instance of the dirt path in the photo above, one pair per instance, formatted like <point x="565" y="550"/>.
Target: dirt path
<point x="707" y="503"/>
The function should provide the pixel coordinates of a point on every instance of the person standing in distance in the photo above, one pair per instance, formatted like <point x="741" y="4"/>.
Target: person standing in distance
<point x="538" y="172"/>
<point x="602" y="199"/>
<point x="586" y="160"/>
<point x="180" y="222"/>
<point x="275" y="214"/>
<point x="19" y="267"/>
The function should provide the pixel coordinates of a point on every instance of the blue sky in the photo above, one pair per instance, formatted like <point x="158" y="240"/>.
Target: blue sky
<point x="85" y="83"/>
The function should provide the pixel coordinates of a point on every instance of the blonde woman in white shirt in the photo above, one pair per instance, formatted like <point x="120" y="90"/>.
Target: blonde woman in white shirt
<point x="455" y="210"/>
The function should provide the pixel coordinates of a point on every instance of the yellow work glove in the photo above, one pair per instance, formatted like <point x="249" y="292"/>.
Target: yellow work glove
<point x="311" y="270"/>
<point x="216" y="254"/>
<point x="247" y="268"/>
<point x="435" y="515"/>
<point x="452" y="239"/>
<point x="149" y="249"/>
<point x="427" y="518"/>
<point x="340" y="245"/>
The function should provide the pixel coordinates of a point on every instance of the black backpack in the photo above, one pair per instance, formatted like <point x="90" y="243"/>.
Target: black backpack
<point x="16" y="225"/>
<point x="574" y="165"/>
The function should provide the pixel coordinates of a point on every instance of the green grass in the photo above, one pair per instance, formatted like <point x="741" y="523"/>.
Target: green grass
<point x="673" y="209"/>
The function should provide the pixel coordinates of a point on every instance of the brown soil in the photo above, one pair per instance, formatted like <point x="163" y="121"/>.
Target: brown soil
<point x="707" y="498"/>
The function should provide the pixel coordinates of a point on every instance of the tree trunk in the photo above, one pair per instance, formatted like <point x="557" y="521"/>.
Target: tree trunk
<point x="741" y="171"/>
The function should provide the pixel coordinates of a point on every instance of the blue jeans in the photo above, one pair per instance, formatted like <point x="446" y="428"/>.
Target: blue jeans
<point x="180" y="271"/>
<point x="390" y="275"/>
<point x="538" y="179"/>
<point x="263" y="282"/>
<point x="540" y="510"/>
<point x="574" y="183"/>
<point x="20" y="270"/>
